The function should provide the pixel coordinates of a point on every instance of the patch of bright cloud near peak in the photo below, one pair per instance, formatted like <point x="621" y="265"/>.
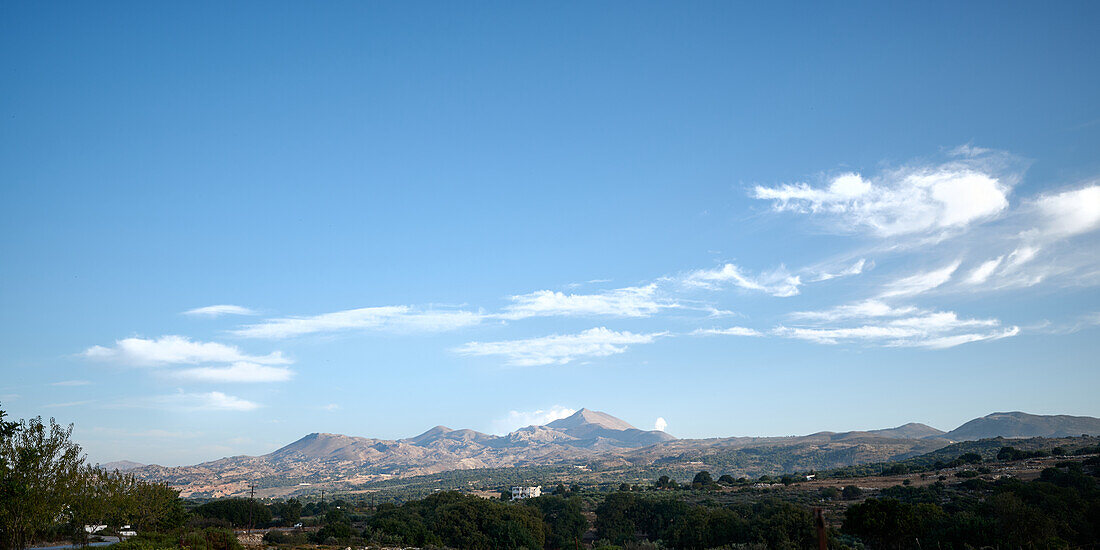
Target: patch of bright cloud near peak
<point x="515" y="420"/>
<point x="397" y="318"/>
<point x="623" y="302"/>
<point x="908" y="201"/>
<point x="219" y="310"/>
<point x="559" y="348"/>
<point x="172" y="349"/>
<point x="660" y="424"/>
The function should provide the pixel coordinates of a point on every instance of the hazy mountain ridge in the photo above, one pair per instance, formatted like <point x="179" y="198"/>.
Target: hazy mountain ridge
<point x="1019" y="424"/>
<point x="585" y="437"/>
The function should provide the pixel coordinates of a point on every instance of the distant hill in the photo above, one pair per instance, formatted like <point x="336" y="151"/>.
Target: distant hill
<point x="120" y="465"/>
<point x="912" y="430"/>
<point x="586" y="438"/>
<point x="321" y="456"/>
<point x="1019" y="424"/>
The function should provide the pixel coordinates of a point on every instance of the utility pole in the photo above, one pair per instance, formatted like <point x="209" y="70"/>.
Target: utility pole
<point x="251" y="504"/>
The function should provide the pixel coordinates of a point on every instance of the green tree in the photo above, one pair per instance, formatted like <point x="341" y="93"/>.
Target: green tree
<point x="615" y="518"/>
<point x="40" y="467"/>
<point x="565" y="522"/>
<point x="702" y="480"/>
<point x="851" y="492"/>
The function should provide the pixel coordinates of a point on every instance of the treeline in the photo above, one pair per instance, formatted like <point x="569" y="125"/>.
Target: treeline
<point x="47" y="492"/>
<point x="626" y="518"/>
<point x="1059" y="510"/>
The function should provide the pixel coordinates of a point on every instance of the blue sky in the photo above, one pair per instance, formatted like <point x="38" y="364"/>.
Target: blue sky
<point x="224" y="227"/>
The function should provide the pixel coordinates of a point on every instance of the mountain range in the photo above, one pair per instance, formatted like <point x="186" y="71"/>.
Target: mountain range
<point x="586" y="437"/>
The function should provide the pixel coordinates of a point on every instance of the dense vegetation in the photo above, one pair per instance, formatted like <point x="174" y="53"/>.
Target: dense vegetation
<point x="623" y="516"/>
<point x="1060" y="509"/>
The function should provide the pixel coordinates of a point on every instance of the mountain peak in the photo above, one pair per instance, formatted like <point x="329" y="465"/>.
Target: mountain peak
<point x="585" y="417"/>
<point x="431" y="434"/>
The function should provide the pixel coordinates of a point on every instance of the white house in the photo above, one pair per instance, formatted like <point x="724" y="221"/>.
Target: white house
<point x="526" y="492"/>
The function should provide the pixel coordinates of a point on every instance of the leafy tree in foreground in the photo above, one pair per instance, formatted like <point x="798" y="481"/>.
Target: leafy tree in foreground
<point x="39" y="467"/>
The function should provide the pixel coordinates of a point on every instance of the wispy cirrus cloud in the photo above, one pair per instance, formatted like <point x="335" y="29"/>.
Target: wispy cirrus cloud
<point x="213" y="401"/>
<point x="68" y="404"/>
<point x="640" y="301"/>
<point x="173" y="349"/>
<point x="219" y="310"/>
<point x="237" y="372"/>
<point x="559" y="349"/>
<point x="918" y="283"/>
<point x="395" y="318"/>
<point x="864" y="309"/>
<point x="854" y="269"/>
<point x="927" y="329"/>
<point x="728" y="331"/>
<point x="71" y="383"/>
<point x="778" y="282"/>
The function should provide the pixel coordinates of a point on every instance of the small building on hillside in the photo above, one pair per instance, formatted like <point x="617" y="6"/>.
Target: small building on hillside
<point x="519" y="493"/>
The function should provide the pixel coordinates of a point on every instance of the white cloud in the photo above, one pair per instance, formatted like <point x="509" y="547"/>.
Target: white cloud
<point x="1069" y="213"/>
<point x="907" y="201"/>
<point x="864" y="309"/>
<point x="331" y="407"/>
<point x="920" y="282"/>
<point x="515" y="420"/>
<point x="238" y="372"/>
<point x="172" y="349"/>
<point x="944" y="342"/>
<point x="68" y="404"/>
<point x="559" y="348"/>
<point x="777" y="283"/>
<point x="397" y="318"/>
<point x="731" y="331"/>
<point x="219" y="310"/>
<point x="208" y="401"/>
<point x="927" y="329"/>
<point x="622" y="302"/>
<point x="660" y="424"/>
<point x="854" y="269"/>
<point x="158" y="433"/>
<point x="72" y="383"/>
<point x="981" y="273"/>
